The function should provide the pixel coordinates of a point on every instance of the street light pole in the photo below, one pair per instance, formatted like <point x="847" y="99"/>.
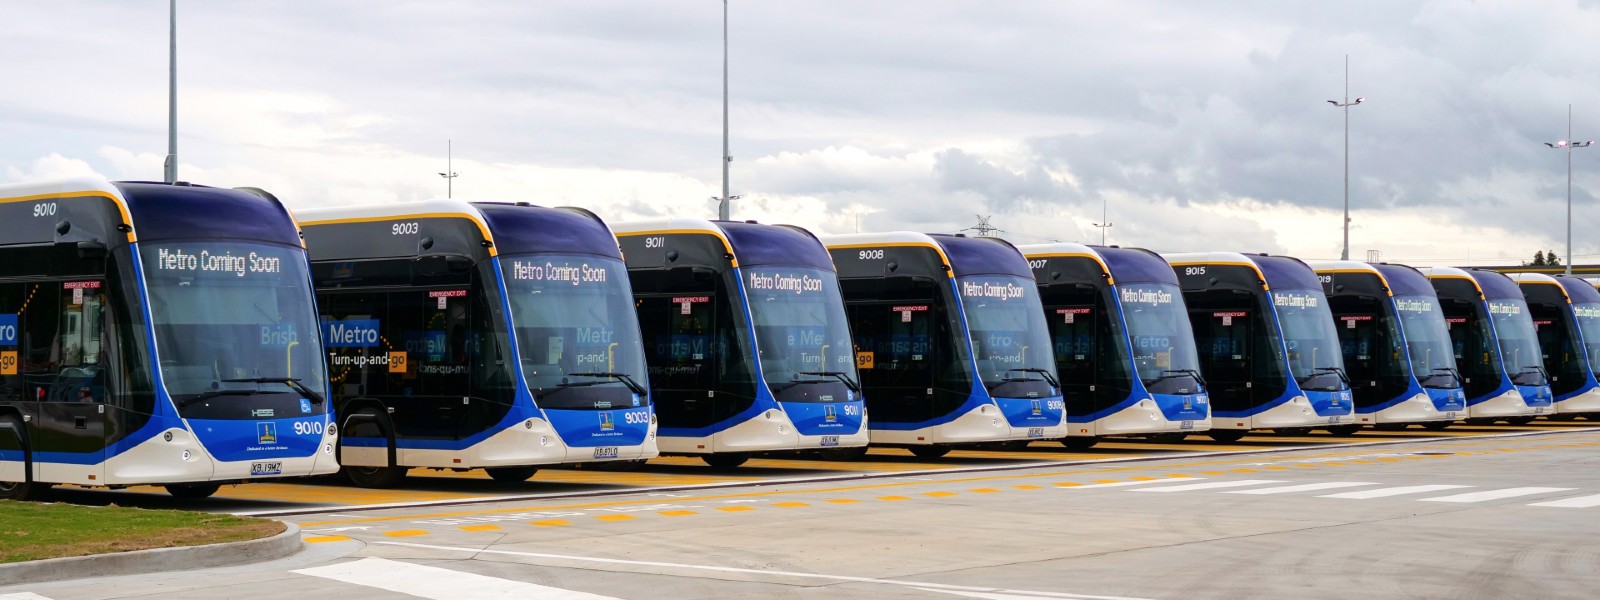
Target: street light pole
<point x="722" y="205"/>
<point x="449" y="175"/>
<point x="170" y="169"/>
<point x="1344" y="254"/>
<point x="1568" y="145"/>
<point x="1103" y="224"/>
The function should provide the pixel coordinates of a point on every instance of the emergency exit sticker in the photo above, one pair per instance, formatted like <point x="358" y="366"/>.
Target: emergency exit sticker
<point x="686" y="303"/>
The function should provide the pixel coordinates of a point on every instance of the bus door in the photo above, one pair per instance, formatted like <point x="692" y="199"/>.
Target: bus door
<point x="698" y="354"/>
<point x="1370" y="340"/>
<point x="1094" y="372"/>
<point x="1237" y="355"/>
<point x="72" y="389"/>
<point x="901" y="335"/>
<point x="1563" y="357"/>
<point x="1472" y="342"/>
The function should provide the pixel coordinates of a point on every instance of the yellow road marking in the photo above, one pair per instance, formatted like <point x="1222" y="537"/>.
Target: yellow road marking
<point x="842" y="501"/>
<point x="735" y="508"/>
<point x="789" y="504"/>
<point x="551" y="523"/>
<point x="892" y="498"/>
<point x="1066" y="484"/>
<point x="405" y="533"/>
<point x="939" y="494"/>
<point x="676" y="513"/>
<point x="323" y="539"/>
<point x="983" y="490"/>
<point x="480" y="528"/>
<point x="1025" y="487"/>
<point x="615" y="518"/>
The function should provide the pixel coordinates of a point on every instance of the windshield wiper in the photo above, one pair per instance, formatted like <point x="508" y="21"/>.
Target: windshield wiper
<point x="626" y="380"/>
<point x="1045" y="373"/>
<point x="292" y="382"/>
<point x="1335" y="370"/>
<point x="843" y="378"/>
<point x="1175" y="373"/>
<point x="1454" y="374"/>
<point x="184" y="403"/>
<point x="1534" y="369"/>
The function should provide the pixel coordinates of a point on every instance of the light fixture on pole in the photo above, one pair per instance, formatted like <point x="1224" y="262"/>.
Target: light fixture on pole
<point x="449" y="175"/>
<point x="1344" y="254"/>
<point x="1103" y="224"/>
<point x="170" y="169"/>
<point x="722" y="203"/>
<point x="1568" y="145"/>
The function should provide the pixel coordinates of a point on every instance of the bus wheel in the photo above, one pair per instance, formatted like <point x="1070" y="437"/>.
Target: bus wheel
<point x="1293" y="431"/>
<point x="1389" y="426"/>
<point x="511" y="474"/>
<point x="1563" y="417"/>
<point x="844" y="454"/>
<point x="1168" y="438"/>
<point x="193" y="491"/>
<point x="1080" y="443"/>
<point x="1344" y="430"/>
<point x="726" y="460"/>
<point x="929" y="451"/>
<point x="370" y="477"/>
<point x="1436" y="425"/>
<point x="1227" y="435"/>
<point x="1520" y="420"/>
<point x="20" y="490"/>
<point x="1480" y="421"/>
<point x="1013" y="445"/>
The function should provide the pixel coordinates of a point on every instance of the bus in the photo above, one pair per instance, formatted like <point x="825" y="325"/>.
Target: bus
<point x="1123" y="346"/>
<point x="1395" y="345"/>
<point x="1566" y="316"/>
<point x="477" y="335"/>
<point x="951" y="341"/>
<point x="746" y="339"/>
<point x="155" y="334"/>
<point x="1267" y="345"/>
<point x="1494" y="343"/>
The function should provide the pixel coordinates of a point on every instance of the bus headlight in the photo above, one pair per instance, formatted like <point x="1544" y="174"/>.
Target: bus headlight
<point x="333" y="430"/>
<point x="167" y="436"/>
<point x="327" y="449"/>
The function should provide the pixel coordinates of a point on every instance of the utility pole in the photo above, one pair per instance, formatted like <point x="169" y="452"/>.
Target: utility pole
<point x="449" y="175"/>
<point x="1344" y="254"/>
<point x="1568" y="145"/>
<point x="1103" y="224"/>
<point x="170" y="169"/>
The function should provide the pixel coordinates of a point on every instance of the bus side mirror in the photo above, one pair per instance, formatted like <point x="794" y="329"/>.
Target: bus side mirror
<point x="91" y="250"/>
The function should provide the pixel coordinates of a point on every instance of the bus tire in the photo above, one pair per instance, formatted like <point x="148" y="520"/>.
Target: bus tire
<point x="1013" y="445"/>
<point x="1344" y="430"/>
<point x="726" y="460"/>
<point x="929" y="451"/>
<point x="1528" y="420"/>
<point x="26" y="489"/>
<point x="193" y="491"/>
<point x="1171" y="437"/>
<point x="1437" y="425"/>
<point x="1080" y="443"/>
<point x="511" y="474"/>
<point x="1481" y="421"/>
<point x="1563" y="417"/>
<point x="1389" y="426"/>
<point x="372" y="477"/>
<point x="1227" y="436"/>
<point x="844" y="454"/>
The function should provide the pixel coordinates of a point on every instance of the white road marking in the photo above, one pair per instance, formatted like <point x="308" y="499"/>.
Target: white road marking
<point x="1208" y="486"/>
<point x="1578" y="502"/>
<point x="424" y="581"/>
<point x="1308" y="487"/>
<point x="1393" y="491"/>
<point x="22" y="596"/>
<point x="992" y="595"/>
<point x="1496" y="494"/>
<point x="791" y="574"/>
<point x="1128" y="483"/>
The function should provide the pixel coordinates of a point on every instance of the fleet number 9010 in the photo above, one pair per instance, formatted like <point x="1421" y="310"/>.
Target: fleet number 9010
<point x="44" y="209"/>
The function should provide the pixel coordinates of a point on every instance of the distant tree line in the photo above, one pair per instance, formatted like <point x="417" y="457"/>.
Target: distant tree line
<point x="1544" y="259"/>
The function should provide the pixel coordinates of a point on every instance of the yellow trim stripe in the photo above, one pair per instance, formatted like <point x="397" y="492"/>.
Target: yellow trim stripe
<point x="127" y="218"/>
<point x="718" y="234"/>
<point x="951" y="270"/>
<point x="483" y="228"/>
<point x="1262" y="277"/>
<point x="1379" y="274"/>
<point x="1106" y="270"/>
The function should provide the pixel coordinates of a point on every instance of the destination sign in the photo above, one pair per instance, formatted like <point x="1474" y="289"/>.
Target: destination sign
<point x="226" y="261"/>
<point x="771" y="281"/>
<point x="352" y="333"/>
<point x="553" y="272"/>
<point x="8" y="330"/>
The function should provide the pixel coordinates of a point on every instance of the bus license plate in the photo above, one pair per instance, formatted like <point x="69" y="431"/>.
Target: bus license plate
<point x="605" y="452"/>
<point x="830" y="440"/>
<point x="1036" y="432"/>
<point x="1538" y="410"/>
<point x="1333" y="420"/>
<point x="266" y="468"/>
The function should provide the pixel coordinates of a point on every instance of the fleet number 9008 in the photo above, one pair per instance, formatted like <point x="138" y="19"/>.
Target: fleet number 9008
<point x="869" y="255"/>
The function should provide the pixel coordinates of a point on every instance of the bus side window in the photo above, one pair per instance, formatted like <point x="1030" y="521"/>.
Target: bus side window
<point x="79" y="347"/>
<point x="36" y="360"/>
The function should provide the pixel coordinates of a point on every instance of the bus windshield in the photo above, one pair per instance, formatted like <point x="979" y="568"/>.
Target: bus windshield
<point x="1433" y="361"/>
<point x="235" y="329"/>
<point x="1161" y="336"/>
<point x="1519" y="345"/>
<point x="802" y="333"/>
<point x="576" y="330"/>
<point x="1588" y="314"/>
<point x="1315" y="358"/>
<point x="1009" y="336"/>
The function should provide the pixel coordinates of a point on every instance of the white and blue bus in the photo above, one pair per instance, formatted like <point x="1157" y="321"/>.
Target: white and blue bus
<point x="1566" y="315"/>
<point x="1267" y="345"/>
<point x="477" y="335"/>
<point x="1396" y="347"/>
<point x="1495" y="345"/>
<point x="746" y="338"/>
<point x="951" y="341"/>
<point x="155" y="334"/>
<point x="1124" y="349"/>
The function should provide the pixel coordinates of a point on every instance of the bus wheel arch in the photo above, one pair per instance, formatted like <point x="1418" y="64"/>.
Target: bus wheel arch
<point x="360" y="412"/>
<point x="193" y="491"/>
<point x="12" y="426"/>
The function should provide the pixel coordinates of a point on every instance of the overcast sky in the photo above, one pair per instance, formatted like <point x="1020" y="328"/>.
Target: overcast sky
<point x="1199" y="125"/>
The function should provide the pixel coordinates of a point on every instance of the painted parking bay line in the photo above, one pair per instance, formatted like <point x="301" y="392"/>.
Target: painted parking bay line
<point x="1578" y="502"/>
<point x="1307" y="487"/>
<point x="1394" y="491"/>
<point x="22" y="596"/>
<point x="440" y="584"/>
<point x="1487" y="495"/>
<point x="1128" y="483"/>
<point x="1207" y="486"/>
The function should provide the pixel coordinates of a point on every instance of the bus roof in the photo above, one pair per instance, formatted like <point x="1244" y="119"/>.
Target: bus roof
<point x="1179" y="259"/>
<point x="1405" y="280"/>
<point x="1137" y="265"/>
<point x="523" y="228"/>
<point x="750" y="244"/>
<point x="982" y="256"/>
<point x="1495" y="285"/>
<point x="1067" y="250"/>
<point x="135" y="210"/>
<point x="1579" y="290"/>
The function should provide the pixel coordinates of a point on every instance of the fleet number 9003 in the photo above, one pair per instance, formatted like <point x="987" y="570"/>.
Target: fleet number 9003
<point x="404" y="229"/>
